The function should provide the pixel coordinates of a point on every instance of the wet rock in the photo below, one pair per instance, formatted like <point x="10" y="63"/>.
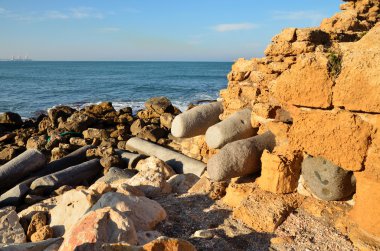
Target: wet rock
<point x="104" y="225"/>
<point x="145" y="213"/>
<point x="10" y="229"/>
<point x="326" y="180"/>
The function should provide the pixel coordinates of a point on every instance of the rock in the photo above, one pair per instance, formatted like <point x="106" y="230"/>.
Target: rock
<point x="115" y="174"/>
<point x="36" y="142"/>
<point x="126" y="189"/>
<point x="343" y="22"/>
<point x="166" y="120"/>
<point x="43" y="206"/>
<point x="236" y="127"/>
<point x="151" y="182"/>
<point x="44" y="125"/>
<point x="144" y="213"/>
<point x="130" y="159"/>
<point x="145" y="237"/>
<point x="179" y="162"/>
<point x="165" y="243"/>
<point x="92" y="133"/>
<point x="196" y="121"/>
<point x="137" y="126"/>
<point x="104" y="225"/>
<point x="279" y="173"/>
<point x="20" y="167"/>
<point x="156" y="165"/>
<point x="72" y="176"/>
<point x="239" y="158"/>
<point x="68" y="210"/>
<point x="10" y="229"/>
<point x="42" y="234"/>
<point x="78" y="122"/>
<point x="342" y="137"/>
<point x="78" y="141"/>
<point x="8" y="154"/>
<point x="47" y="245"/>
<point x="213" y="189"/>
<point x="181" y="183"/>
<point x="101" y="188"/>
<point x="238" y="191"/>
<point x="10" y="118"/>
<point x="38" y="221"/>
<point x="111" y="161"/>
<point x="58" y="153"/>
<point x="152" y="133"/>
<point x="7" y="137"/>
<point x="60" y="112"/>
<point x="159" y="104"/>
<point x="326" y="180"/>
<point x="356" y="91"/>
<point x="203" y="234"/>
<point x="148" y="116"/>
<point x="100" y="109"/>
<point x="309" y="75"/>
<point x="262" y="212"/>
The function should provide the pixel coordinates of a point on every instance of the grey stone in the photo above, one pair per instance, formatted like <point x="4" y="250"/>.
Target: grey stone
<point x="326" y="180"/>
<point x="197" y="120"/>
<point x="179" y="162"/>
<point x="130" y="159"/>
<point x="11" y="230"/>
<point x="115" y="174"/>
<point x="236" y="127"/>
<point x="181" y="183"/>
<point x="21" y="166"/>
<point x="49" y="244"/>
<point x="15" y="196"/>
<point x="72" y="176"/>
<point x="240" y="158"/>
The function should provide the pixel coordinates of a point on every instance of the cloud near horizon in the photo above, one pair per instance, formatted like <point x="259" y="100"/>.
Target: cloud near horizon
<point x="234" y="27"/>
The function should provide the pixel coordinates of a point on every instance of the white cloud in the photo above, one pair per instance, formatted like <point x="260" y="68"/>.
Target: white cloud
<point x="56" y="15"/>
<point x="85" y="12"/>
<point x="298" y="15"/>
<point x="234" y="27"/>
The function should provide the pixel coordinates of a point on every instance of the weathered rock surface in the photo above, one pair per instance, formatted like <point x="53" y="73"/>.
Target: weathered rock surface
<point x="156" y="165"/>
<point x="10" y="229"/>
<point x="104" y="225"/>
<point x="10" y="118"/>
<point x="144" y="213"/>
<point x="181" y="183"/>
<point x="159" y="105"/>
<point x="52" y="244"/>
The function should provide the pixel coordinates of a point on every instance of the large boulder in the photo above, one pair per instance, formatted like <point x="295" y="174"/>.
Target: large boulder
<point x="104" y="225"/>
<point x="144" y="213"/>
<point x="160" y="105"/>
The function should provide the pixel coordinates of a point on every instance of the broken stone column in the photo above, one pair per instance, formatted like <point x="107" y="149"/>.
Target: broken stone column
<point x="197" y="120"/>
<point x="236" y="127"/>
<point x="15" y="195"/>
<point x="20" y="167"/>
<point x="71" y="176"/>
<point x="130" y="159"/>
<point x="179" y="162"/>
<point x="326" y="180"/>
<point x="240" y="158"/>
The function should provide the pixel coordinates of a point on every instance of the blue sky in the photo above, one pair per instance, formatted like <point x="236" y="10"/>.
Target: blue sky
<point x="194" y="30"/>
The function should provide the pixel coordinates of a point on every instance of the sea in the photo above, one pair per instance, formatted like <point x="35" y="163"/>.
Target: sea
<point x="31" y="88"/>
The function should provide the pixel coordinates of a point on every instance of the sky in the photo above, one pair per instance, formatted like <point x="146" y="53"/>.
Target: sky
<point x="150" y="30"/>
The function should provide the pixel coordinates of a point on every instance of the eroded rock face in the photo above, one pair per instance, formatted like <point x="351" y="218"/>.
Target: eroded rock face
<point x="159" y="104"/>
<point x="341" y="137"/>
<point x="11" y="230"/>
<point x="359" y="90"/>
<point x="104" y="225"/>
<point x="10" y="118"/>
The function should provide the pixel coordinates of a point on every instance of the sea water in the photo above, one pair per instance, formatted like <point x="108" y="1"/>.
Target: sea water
<point x="30" y="88"/>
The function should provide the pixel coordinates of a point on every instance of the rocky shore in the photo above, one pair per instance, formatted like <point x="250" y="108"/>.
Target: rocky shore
<point x="288" y="159"/>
